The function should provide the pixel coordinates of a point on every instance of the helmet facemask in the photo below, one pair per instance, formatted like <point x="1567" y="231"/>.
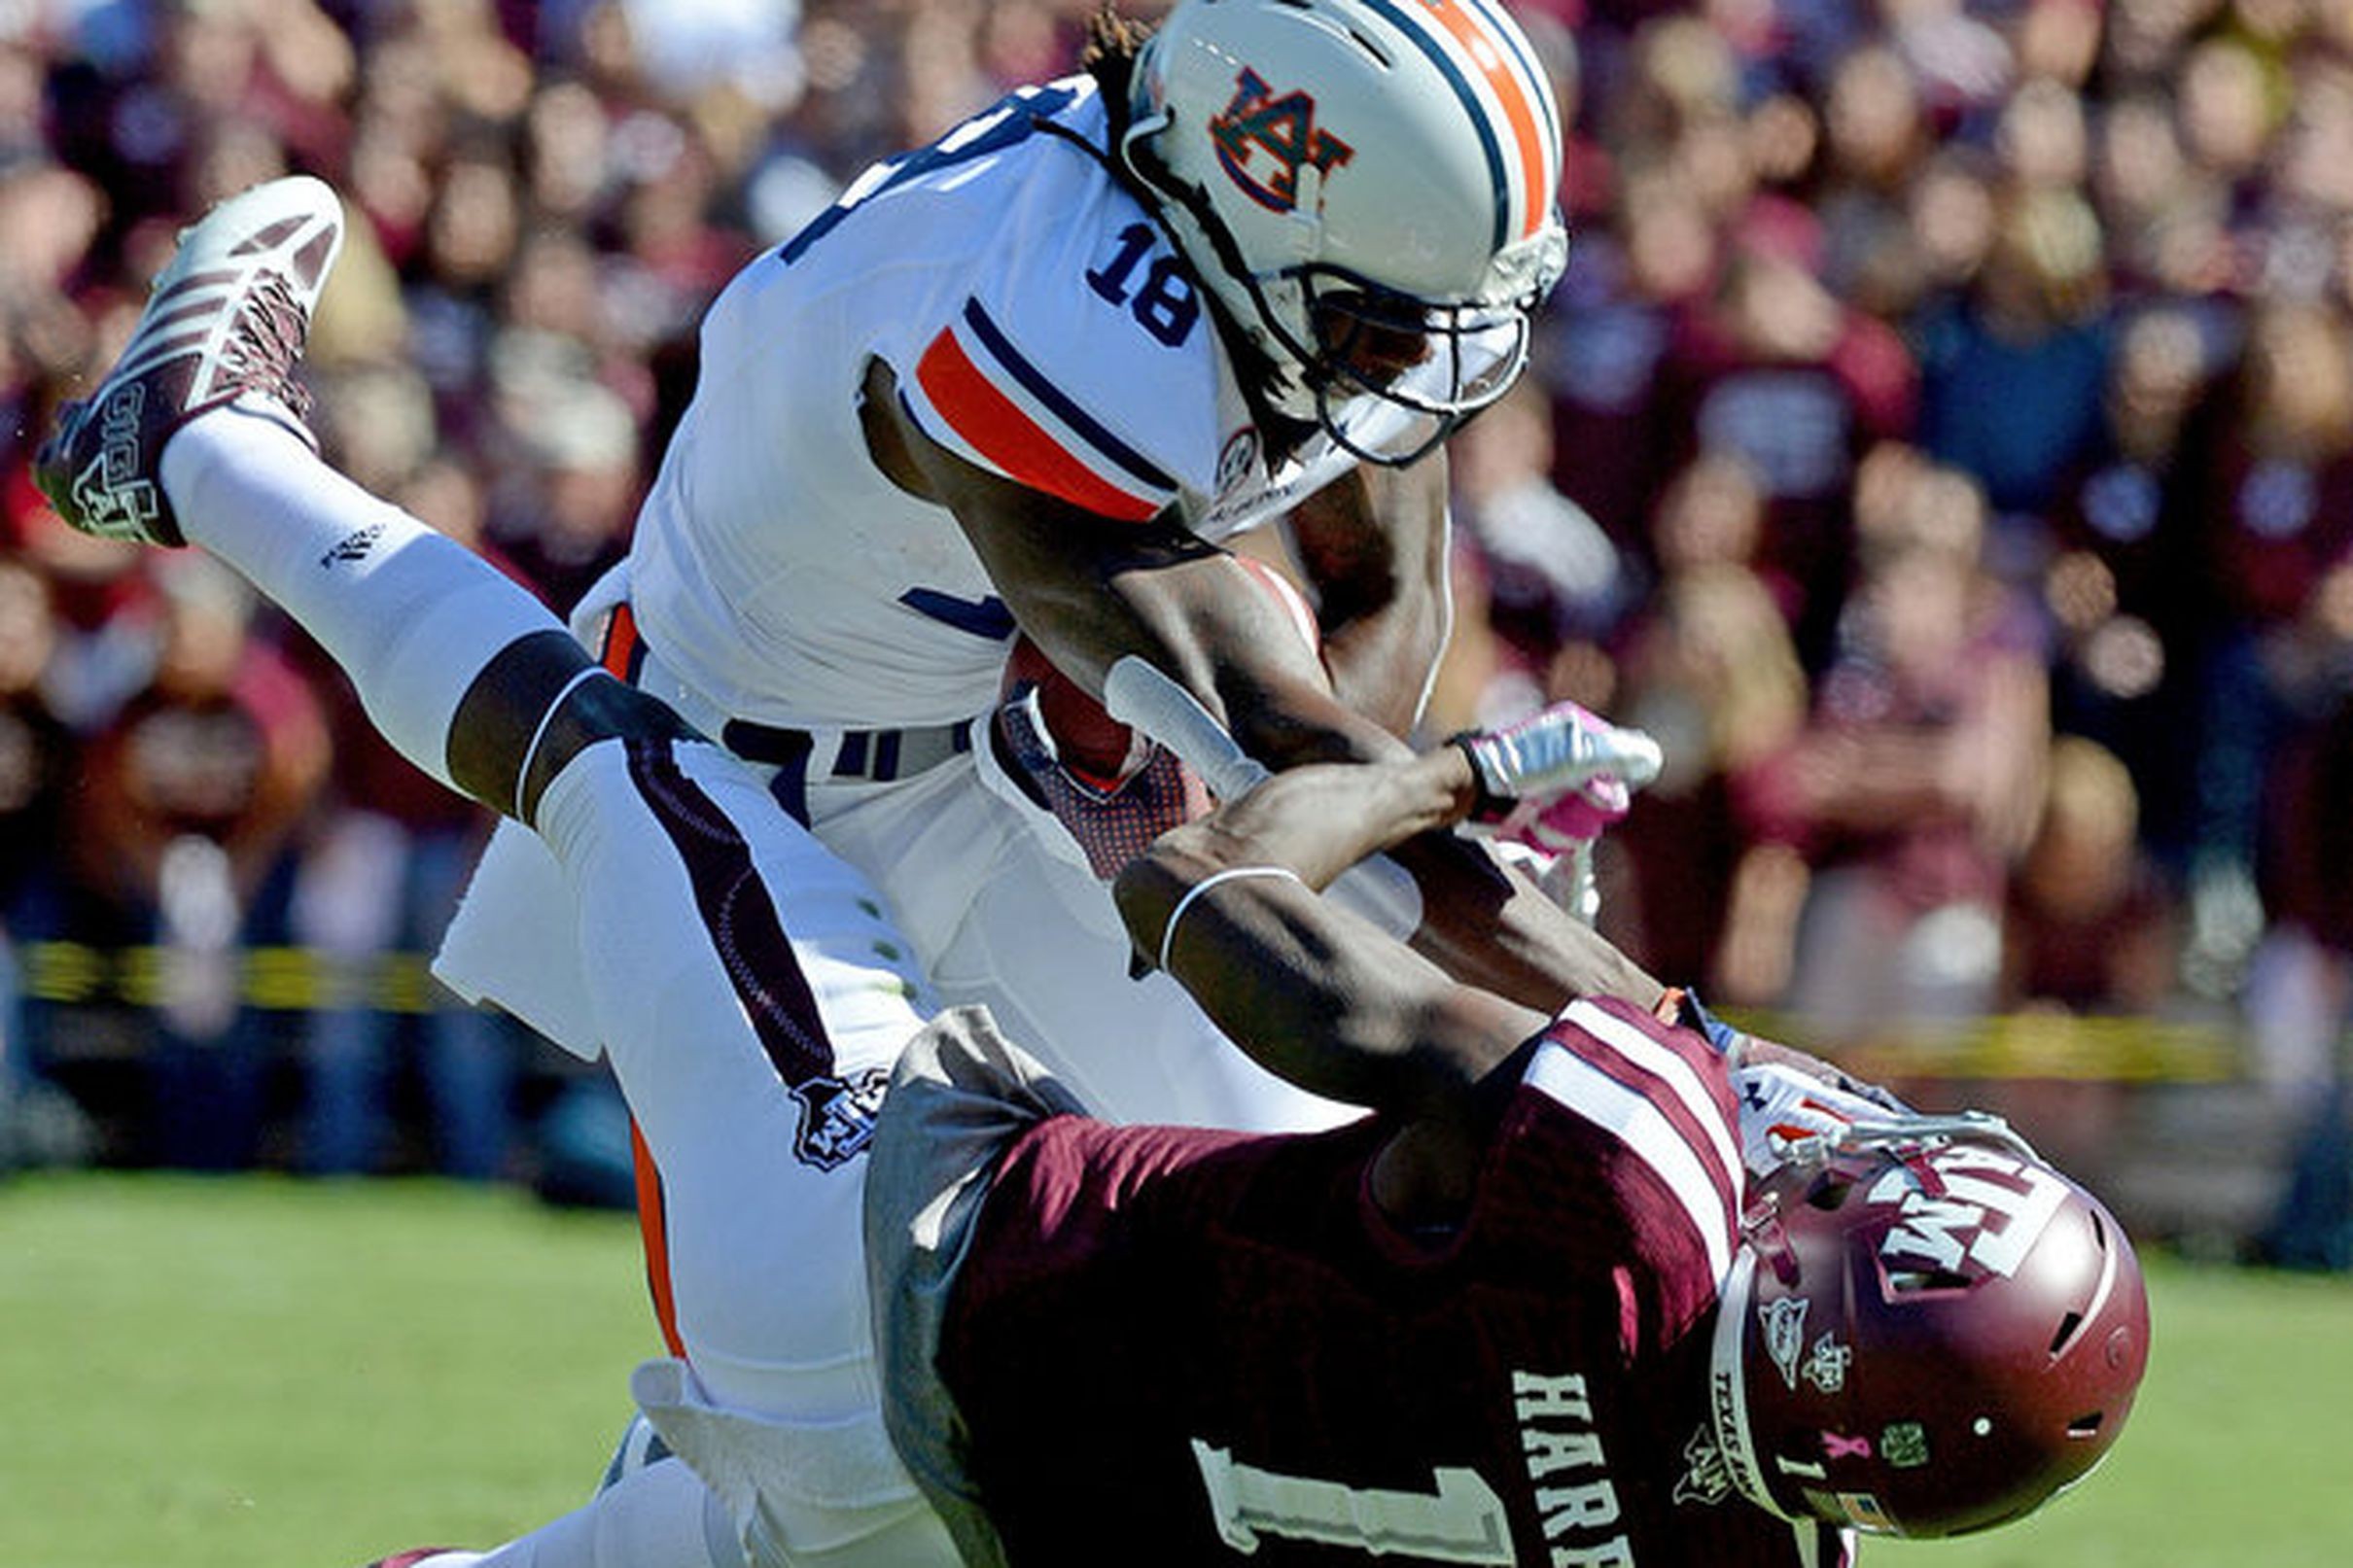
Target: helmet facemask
<point x="1393" y="375"/>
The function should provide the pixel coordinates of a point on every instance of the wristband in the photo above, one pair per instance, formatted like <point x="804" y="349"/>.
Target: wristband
<point x="1168" y="932"/>
<point x="1486" y="806"/>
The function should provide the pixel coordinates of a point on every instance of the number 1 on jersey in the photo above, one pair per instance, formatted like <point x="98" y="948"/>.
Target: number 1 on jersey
<point x="1460" y="1520"/>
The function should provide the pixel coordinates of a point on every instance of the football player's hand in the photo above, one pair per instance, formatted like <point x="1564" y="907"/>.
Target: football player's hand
<point x="1563" y="751"/>
<point x="1783" y="1107"/>
<point x="1568" y="822"/>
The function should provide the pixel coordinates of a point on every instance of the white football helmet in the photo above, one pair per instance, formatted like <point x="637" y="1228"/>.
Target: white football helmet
<point x="1370" y="188"/>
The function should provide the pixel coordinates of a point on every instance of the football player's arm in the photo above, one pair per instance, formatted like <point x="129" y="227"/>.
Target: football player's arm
<point x="1373" y="545"/>
<point x="1316" y="994"/>
<point x="1089" y="590"/>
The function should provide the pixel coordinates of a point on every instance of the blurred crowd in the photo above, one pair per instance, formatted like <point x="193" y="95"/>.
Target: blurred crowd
<point x="1942" y="442"/>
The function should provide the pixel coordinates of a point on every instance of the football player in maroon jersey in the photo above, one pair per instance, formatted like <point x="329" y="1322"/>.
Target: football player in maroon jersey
<point x="1558" y="1300"/>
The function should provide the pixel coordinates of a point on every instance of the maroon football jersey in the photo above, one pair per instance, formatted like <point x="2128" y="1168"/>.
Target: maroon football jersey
<point x="1178" y="1346"/>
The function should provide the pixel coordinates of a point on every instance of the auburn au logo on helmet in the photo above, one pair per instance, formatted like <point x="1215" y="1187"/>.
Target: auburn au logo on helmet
<point x="1285" y="131"/>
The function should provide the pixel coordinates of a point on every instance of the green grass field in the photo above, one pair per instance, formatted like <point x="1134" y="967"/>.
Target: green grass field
<point x="264" y="1374"/>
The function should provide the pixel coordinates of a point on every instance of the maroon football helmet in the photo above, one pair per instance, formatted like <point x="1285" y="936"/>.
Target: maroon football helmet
<point x="1926" y="1331"/>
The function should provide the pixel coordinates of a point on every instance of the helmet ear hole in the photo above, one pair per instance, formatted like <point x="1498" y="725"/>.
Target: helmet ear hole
<point x="2085" y="1426"/>
<point x="1925" y="1281"/>
<point x="1370" y="46"/>
<point x="1829" y="1193"/>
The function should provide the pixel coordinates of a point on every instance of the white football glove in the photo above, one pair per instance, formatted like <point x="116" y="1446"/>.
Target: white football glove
<point x="1556" y="751"/>
<point x="1553" y="784"/>
<point x="1783" y="1108"/>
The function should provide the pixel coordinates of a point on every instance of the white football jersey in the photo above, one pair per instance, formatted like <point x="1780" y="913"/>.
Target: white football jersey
<point x="1038" y="324"/>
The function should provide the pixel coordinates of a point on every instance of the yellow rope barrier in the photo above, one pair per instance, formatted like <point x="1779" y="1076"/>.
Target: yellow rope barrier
<point x="2037" y="1045"/>
<point x="277" y="979"/>
<point x="2015" y="1045"/>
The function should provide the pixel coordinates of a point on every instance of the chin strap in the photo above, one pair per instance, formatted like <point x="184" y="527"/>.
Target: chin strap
<point x="1728" y="1393"/>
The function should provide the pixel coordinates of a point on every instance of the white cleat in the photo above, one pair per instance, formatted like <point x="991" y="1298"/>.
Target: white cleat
<point x="224" y="322"/>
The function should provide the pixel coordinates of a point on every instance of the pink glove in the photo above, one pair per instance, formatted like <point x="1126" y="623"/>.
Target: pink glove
<point x="1554" y="780"/>
<point x="1553" y="783"/>
<point x="1569" y="821"/>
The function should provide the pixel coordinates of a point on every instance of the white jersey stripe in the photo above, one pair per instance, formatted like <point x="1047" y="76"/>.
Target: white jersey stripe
<point x="1678" y="1074"/>
<point x="1646" y="1132"/>
<point x="1508" y="36"/>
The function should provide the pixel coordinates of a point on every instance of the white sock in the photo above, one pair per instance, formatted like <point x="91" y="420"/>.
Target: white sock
<point x="410" y="614"/>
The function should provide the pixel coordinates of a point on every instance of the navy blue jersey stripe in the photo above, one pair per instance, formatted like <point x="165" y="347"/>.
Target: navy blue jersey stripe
<point x="745" y="927"/>
<point x="1428" y="43"/>
<point x="1001" y="348"/>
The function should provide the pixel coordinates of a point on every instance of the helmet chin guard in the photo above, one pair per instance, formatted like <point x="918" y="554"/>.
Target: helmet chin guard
<point x="1368" y="191"/>
<point x="1927" y="1330"/>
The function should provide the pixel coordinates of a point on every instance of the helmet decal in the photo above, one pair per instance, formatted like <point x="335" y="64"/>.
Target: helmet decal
<point x="1785" y="1334"/>
<point x="1862" y="1510"/>
<point x="1903" y="1445"/>
<point x="1263" y="142"/>
<point x="1486" y="60"/>
<point x="1707" y="1479"/>
<point x="1992" y="1210"/>
<point x="1826" y="1367"/>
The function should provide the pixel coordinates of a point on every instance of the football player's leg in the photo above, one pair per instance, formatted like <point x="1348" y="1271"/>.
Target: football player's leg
<point x="197" y="436"/>
<point x="659" y="1516"/>
<point x="752" y="997"/>
<point x="466" y="673"/>
<point x="747" y="987"/>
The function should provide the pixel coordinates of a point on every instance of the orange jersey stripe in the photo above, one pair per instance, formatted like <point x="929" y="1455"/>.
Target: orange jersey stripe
<point x="1494" y="65"/>
<point x="999" y="430"/>
<point x="620" y="642"/>
<point x="652" y="1225"/>
<point x="653" y="1216"/>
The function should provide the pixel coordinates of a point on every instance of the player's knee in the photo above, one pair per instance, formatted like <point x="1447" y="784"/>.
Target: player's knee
<point x="597" y="709"/>
<point x="532" y="709"/>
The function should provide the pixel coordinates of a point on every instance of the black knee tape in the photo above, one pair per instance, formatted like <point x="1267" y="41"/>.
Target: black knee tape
<point x="531" y="711"/>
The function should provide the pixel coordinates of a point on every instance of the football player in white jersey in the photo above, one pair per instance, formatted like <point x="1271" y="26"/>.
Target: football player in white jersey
<point x="746" y="983"/>
<point x="1032" y="377"/>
